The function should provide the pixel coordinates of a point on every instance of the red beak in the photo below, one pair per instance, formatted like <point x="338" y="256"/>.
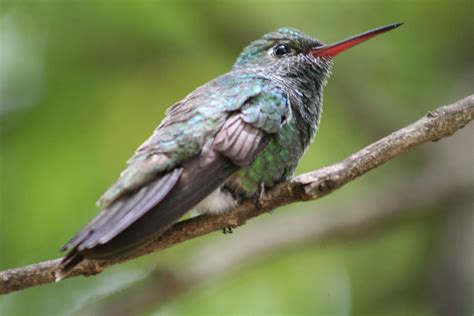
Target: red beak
<point x="334" y="49"/>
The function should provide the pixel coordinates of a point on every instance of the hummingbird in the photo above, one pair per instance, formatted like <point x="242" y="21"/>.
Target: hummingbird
<point x="229" y="140"/>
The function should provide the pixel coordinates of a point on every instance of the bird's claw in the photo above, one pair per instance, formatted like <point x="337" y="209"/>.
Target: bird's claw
<point x="227" y="230"/>
<point x="257" y="203"/>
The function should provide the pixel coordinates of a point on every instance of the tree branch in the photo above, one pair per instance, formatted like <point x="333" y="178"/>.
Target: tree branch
<point x="401" y="200"/>
<point x="435" y="125"/>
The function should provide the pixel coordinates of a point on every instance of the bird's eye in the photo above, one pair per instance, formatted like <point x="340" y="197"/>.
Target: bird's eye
<point x="281" y="49"/>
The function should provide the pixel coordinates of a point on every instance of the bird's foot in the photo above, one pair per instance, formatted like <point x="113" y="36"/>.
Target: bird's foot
<point x="257" y="203"/>
<point x="259" y="198"/>
<point x="227" y="230"/>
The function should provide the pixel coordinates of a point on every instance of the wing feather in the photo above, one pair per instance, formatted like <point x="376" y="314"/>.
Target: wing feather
<point x="139" y="208"/>
<point x="121" y="214"/>
<point x="240" y="141"/>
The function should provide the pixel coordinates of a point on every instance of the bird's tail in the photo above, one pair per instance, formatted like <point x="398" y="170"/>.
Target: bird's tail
<point x="67" y="264"/>
<point x="147" y="213"/>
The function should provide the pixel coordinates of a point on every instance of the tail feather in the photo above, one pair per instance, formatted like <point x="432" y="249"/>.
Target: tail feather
<point x="132" y="222"/>
<point x="135" y="219"/>
<point x="67" y="264"/>
<point x="113" y="219"/>
<point x="147" y="198"/>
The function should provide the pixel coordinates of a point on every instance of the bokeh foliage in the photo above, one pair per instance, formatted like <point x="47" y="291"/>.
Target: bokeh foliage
<point x="83" y="83"/>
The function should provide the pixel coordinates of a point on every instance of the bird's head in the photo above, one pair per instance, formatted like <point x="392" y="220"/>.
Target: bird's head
<point x="291" y="53"/>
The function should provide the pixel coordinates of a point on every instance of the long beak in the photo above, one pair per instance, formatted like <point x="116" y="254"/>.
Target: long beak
<point x="336" y="48"/>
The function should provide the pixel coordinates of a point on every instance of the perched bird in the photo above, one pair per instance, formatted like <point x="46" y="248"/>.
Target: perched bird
<point x="228" y="140"/>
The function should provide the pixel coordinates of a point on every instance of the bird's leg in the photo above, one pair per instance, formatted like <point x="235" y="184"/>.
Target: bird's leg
<point x="257" y="200"/>
<point x="260" y="198"/>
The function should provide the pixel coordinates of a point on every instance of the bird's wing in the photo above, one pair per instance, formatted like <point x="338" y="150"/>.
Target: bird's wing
<point x="113" y="219"/>
<point x="262" y="115"/>
<point x="184" y="131"/>
<point x="145" y="212"/>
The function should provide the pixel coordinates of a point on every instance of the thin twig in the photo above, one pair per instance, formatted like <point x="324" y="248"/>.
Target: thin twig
<point x="437" y="124"/>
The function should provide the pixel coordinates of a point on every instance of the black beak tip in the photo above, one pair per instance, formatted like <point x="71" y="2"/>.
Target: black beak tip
<point x="395" y="25"/>
<point x="389" y="27"/>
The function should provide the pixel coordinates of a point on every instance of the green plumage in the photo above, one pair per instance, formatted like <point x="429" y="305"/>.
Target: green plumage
<point x="190" y="123"/>
<point x="276" y="163"/>
<point x="223" y="142"/>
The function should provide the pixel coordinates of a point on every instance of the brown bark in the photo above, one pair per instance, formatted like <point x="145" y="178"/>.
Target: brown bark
<point x="402" y="200"/>
<point x="435" y="125"/>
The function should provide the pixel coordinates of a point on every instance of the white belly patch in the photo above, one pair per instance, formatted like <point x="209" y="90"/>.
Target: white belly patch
<point x="215" y="203"/>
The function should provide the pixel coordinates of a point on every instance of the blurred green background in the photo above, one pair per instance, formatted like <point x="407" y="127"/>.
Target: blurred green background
<point x="83" y="83"/>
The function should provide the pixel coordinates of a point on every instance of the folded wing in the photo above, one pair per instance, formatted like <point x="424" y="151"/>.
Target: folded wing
<point x="142" y="214"/>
